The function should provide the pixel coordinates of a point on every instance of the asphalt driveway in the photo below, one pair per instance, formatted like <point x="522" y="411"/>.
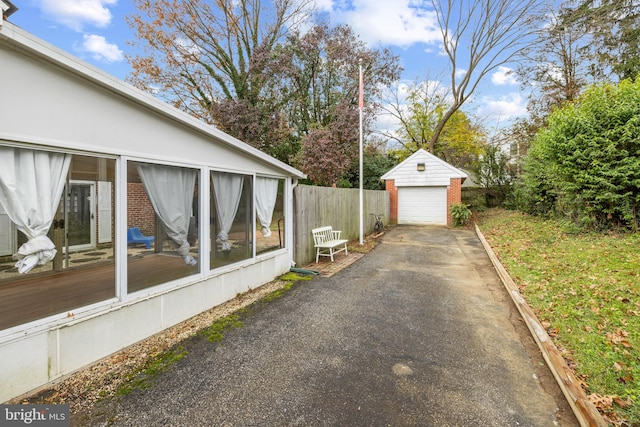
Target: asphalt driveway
<point x="419" y="332"/>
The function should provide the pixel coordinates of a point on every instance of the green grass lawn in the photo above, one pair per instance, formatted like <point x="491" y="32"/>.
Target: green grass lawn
<point x="585" y="289"/>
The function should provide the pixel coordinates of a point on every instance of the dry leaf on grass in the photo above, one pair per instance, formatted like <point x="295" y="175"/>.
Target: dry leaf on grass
<point x="619" y="337"/>
<point x="602" y="403"/>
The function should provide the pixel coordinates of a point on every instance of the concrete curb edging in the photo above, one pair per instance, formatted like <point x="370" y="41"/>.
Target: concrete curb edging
<point x="585" y="412"/>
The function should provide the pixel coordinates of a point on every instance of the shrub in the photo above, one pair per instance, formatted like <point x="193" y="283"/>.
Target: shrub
<point x="585" y="164"/>
<point x="460" y="213"/>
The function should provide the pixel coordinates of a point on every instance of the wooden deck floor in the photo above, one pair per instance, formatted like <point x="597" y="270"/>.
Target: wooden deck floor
<point x="45" y="294"/>
<point x="26" y="298"/>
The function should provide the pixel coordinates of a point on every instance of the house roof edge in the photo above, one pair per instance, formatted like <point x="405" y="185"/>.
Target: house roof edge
<point x="29" y="44"/>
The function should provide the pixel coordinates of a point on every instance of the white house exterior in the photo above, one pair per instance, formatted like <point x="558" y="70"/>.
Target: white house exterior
<point x="106" y="159"/>
<point x="422" y="188"/>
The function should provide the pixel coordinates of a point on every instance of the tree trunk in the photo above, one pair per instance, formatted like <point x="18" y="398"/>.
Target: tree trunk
<point x="440" y="126"/>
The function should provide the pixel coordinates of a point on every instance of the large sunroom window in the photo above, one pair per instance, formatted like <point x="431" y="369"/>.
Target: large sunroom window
<point x="162" y="212"/>
<point x="231" y="218"/>
<point x="269" y="195"/>
<point x="56" y="233"/>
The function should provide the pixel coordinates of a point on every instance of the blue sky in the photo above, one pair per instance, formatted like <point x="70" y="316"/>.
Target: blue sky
<point x="96" y="31"/>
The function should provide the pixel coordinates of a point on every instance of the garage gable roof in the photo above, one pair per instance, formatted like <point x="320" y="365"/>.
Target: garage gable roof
<point x="436" y="171"/>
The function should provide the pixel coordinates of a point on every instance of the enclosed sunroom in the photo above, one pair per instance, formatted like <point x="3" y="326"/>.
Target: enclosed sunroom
<point x="119" y="215"/>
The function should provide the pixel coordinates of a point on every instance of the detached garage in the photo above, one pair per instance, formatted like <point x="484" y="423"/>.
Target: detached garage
<point x="421" y="189"/>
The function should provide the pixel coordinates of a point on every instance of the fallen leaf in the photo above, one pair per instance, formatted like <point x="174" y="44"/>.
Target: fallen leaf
<point x="619" y="337"/>
<point x="625" y="380"/>
<point x="602" y="403"/>
<point x="623" y="403"/>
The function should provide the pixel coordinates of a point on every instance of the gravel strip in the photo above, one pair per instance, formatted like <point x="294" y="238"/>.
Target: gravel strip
<point x="82" y="389"/>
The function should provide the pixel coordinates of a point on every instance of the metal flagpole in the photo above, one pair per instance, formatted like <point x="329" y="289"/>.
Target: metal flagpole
<point x="361" y="107"/>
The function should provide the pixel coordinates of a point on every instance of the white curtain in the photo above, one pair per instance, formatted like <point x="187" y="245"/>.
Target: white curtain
<point x="266" y="193"/>
<point x="170" y="190"/>
<point x="227" y="189"/>
<point x="31" y="183"/>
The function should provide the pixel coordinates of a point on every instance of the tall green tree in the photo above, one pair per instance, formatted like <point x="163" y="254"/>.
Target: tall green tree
<point x="553" y="70"/>
<point x="614" y="26"/>
<point x="554" y="64"/>
<point x="585" y="165"/>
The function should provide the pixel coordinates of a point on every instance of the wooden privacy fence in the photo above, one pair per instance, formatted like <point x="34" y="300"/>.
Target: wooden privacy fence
<point x="338" y="207"/>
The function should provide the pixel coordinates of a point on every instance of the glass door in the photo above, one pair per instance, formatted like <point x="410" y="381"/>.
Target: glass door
<point x="80" y="215"/>
<point x="7" y="234"/>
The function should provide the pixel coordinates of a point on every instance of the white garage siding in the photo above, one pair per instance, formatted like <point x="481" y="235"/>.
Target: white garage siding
<point x="422" y="205"/>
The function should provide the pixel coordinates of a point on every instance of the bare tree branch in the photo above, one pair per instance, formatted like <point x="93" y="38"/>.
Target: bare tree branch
<point x="195" y="51"/>
<point x="479" y="36"/>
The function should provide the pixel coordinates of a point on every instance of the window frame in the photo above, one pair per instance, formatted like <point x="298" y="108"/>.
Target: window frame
<point x="120" y="209"/>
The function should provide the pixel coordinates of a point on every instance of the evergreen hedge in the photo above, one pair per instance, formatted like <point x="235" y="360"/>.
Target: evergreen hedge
<point x="585" y="164"/>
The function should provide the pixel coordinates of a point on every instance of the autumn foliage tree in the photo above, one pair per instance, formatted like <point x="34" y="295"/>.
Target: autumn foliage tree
<point x="244" y="66"/>
<point x="318" y="88"/>
<point x="461" y="140"/>
<point x="415" y="108"/>
<point x="211" y="60"/>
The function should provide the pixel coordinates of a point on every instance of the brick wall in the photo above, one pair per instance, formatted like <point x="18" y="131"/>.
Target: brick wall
<point x="390" y="187"/>
<point x="139" y="210"/>
<point x="454" y="195"/>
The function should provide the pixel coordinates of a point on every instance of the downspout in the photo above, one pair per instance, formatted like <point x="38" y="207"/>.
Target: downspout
<point x="294" y="184"/>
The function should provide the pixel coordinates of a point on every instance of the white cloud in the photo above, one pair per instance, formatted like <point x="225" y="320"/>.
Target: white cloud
<point x="399" y="23"/>
<point x="504" y="76"/>
<point x="188" y="47"/>
<point x="386" y="122"/>
<point x="76" y="14"/>
<point x="324" y="5"/>
<point x="460" y="73"/>
<point x="100" y="49"/>
<point x="504" y="108"/>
